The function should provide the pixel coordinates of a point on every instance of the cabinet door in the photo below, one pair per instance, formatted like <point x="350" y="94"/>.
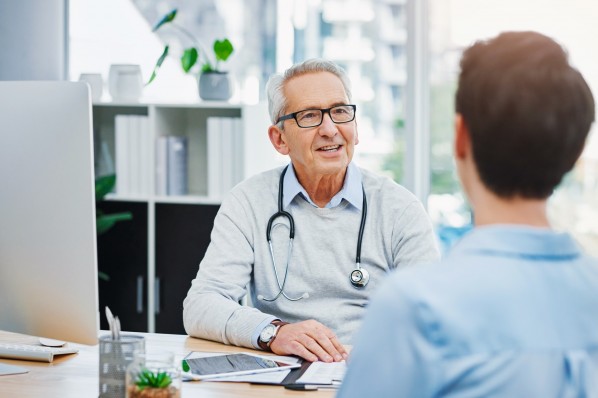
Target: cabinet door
<point x="182" y="237"/>
<point x="122" y="255"/>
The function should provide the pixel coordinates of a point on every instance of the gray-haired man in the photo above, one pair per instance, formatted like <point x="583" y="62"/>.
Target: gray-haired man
<point x="349" y="228"/>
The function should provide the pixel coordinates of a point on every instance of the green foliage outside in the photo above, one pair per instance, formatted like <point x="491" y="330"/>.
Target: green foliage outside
<point x="442" y="170"/>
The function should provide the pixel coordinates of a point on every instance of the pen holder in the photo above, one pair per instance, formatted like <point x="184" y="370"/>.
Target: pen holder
<point x="115" y="357"/>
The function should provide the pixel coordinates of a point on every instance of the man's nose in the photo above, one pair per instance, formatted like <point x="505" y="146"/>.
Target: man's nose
<point x="328" y="127"/>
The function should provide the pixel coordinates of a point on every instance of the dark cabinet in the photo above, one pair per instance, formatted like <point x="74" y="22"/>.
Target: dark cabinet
<point x="182" y="237"/>
<point x="122" y="256"/>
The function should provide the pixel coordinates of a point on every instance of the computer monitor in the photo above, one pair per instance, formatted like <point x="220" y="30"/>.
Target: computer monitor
<point x="48" y="261"/>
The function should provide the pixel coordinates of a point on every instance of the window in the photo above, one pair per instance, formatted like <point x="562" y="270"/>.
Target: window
<point x="457" y="24"/>
<point x="366" y="37"/>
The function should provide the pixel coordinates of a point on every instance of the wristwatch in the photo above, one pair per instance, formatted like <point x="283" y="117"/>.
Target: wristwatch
<point x="268" y="334"/>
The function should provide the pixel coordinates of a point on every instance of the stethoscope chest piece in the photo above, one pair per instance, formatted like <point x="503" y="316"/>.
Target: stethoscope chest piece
<point x="359" y="277"/>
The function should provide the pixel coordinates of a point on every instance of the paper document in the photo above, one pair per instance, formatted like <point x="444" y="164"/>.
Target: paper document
<point x="323" y="373"/>
<point x="11" y="369"/>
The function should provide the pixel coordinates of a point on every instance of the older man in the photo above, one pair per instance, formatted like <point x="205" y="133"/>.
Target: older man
<point x="512" y="311"/>
<point x="312" y="240"/>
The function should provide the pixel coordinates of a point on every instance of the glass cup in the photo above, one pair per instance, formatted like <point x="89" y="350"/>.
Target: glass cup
<point x="115" y="357"/>
<point x="153" y="374"/>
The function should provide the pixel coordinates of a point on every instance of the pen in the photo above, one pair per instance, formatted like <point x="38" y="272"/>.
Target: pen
<point x="301" y="387"/>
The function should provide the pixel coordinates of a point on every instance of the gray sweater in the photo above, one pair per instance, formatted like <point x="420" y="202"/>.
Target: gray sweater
<point x="397" y="233"/>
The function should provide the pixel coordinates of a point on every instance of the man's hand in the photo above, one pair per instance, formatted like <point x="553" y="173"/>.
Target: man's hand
<point x="310" y="340"/>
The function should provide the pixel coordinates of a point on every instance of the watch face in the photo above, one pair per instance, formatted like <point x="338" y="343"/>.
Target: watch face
<point x="267" y="333"/>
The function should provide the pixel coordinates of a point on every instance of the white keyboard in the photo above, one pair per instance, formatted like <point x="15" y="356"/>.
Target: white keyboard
<point x="28" y="352"/>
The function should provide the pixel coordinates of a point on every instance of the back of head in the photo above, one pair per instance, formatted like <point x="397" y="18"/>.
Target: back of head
<point x="277" y="101"/>
<point x="528" y="112"/>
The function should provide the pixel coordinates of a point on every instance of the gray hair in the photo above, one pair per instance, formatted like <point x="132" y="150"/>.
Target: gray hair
<point x="277" y="102"/>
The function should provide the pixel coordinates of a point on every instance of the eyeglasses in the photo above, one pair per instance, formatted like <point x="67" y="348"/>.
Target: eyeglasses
<point x="314" y="117"/>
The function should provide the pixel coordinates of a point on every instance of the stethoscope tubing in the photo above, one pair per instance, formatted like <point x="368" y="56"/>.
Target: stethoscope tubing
<point x="289" y="217"/>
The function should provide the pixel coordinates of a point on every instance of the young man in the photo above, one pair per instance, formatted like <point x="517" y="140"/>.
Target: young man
<point x="512" y="311"/>
<point x="312" y="240"/>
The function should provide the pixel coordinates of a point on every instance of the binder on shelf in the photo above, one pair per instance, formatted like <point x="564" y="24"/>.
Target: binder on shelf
<point x="177" y="166"/>
<point x="171" y="165"/>
<point x="121" y="148"/>
<point x="224" y="154"/>
<point x="131" y="136"/>
<point x="144" y="155"/>
<point x="214" y="150"/>
<point x="161" y="165"/>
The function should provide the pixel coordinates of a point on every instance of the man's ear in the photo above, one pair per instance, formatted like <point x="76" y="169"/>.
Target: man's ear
<point x="356" y="133"/>
<point x="462" y="138"/>
<point x="277" y="139"/>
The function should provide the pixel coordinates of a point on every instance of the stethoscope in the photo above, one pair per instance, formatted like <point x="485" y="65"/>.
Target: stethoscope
<point x="359" y="277"/>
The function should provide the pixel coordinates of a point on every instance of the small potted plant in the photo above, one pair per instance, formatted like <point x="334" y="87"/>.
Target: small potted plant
<point x="153" y="384"/>
<point x="214" y="84"/>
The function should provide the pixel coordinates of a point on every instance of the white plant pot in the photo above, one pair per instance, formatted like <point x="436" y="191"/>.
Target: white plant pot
<point x="125" y="83"/>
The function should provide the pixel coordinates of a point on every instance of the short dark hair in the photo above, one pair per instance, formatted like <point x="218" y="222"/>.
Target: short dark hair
<point x="528" y="112"/>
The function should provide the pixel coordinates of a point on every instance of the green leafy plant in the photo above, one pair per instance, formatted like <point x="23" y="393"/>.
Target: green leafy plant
<point x="148" y="379"/>
<point x="192" y="55"/>
<point x="103" y="186"/>
<point x="104" y="222"/>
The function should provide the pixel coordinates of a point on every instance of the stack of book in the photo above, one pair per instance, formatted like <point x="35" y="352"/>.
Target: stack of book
<point x="171" y="165"/>
<point x="132" y="146"/>
<point x="225" y="154"/>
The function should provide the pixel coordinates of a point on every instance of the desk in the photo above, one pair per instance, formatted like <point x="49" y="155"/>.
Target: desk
<point x="77" y="375"/>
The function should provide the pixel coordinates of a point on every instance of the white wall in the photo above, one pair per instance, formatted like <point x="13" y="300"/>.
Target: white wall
<point x="33" y="39"/>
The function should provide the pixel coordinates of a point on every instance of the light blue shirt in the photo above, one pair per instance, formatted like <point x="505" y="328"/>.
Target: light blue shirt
<point x="351" y="191"/>
<point x="510" y="312"/>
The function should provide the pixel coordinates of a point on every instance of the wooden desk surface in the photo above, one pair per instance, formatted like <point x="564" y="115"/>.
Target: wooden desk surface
<point x="77" y="375"/>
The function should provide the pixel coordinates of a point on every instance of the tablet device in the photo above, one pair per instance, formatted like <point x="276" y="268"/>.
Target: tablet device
<point x="204" y="367"/>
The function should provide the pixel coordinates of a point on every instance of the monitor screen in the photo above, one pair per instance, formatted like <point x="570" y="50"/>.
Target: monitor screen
<point x="48" y="261"/>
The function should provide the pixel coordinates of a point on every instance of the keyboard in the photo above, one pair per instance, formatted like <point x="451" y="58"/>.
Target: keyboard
<point x="28" y="352"/>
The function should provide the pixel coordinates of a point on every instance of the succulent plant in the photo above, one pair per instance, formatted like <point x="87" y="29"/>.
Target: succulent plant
<point x="149" y="379"/>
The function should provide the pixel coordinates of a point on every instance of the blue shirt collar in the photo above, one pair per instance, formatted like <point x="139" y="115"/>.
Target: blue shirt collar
<point x="351" y="190"/>
<point x="518" y="241"/>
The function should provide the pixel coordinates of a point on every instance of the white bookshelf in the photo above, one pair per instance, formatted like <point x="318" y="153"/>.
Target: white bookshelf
<point x="253" y="149"/>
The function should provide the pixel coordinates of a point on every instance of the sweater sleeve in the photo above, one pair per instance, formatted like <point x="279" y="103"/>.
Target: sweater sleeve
<point x="413" y="238"/>
<point x="211" y="309"/>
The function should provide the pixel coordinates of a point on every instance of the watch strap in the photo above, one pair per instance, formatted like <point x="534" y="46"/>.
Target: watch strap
<point x="266" y="345"/>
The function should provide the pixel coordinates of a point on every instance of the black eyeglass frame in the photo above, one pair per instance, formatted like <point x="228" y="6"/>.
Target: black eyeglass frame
<point x="324" y="111"/>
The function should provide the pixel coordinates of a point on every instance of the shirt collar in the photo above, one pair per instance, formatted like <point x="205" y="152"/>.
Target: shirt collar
<point x="519" y="241"/>
<point x="351" y="190"/>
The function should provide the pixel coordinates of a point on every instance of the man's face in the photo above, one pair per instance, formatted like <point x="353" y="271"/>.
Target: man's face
<point x="326" y="149"/>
